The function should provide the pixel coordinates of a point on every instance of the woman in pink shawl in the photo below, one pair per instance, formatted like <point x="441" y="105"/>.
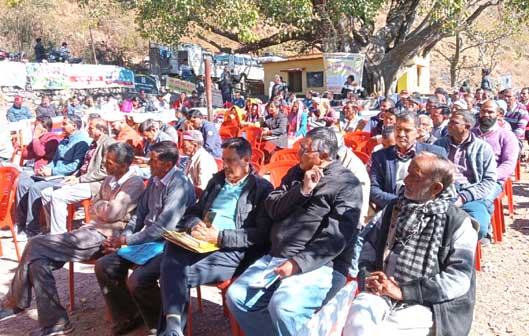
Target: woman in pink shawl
<point x="297" y="119"/>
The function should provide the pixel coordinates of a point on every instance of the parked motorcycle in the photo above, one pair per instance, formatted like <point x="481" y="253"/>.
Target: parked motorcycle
<point x="14" y="56"/>
<point x="56" y="56"/>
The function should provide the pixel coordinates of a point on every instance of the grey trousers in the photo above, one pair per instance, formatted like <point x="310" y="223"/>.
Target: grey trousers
<point x="55" y="203"/>
<point x="28" y="201"/>
<point x="127" y="296"/>
<point x="42" y="255"/>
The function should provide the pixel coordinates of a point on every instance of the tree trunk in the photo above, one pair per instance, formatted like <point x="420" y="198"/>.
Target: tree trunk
<point x="93" y="45"/>
<point x="454" y="61"/>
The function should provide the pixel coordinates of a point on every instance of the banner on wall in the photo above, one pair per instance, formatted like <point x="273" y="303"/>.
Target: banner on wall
<point x="59" y="76"/>
<point x="178" y="85"/>
<point x="13" y="74"/>
<point x="338" y="66"/>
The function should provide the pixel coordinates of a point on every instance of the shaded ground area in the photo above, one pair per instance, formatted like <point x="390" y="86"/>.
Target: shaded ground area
<point x="502" y="299"/>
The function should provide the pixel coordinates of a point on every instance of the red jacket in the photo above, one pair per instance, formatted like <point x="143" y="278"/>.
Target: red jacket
<point x="42" y="149"/>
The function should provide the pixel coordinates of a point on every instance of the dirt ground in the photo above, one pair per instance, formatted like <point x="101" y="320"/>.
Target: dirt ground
<point x="502" y="299"/>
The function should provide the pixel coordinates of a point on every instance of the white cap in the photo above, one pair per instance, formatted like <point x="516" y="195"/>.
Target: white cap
<point x="502" y="105"/>
<point x="461" y="103"/>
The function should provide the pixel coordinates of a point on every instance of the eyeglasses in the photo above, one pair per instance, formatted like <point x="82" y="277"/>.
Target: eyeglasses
<point x="304" y="150"/>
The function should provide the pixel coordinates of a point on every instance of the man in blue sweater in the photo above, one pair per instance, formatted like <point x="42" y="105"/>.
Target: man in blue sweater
<point x="476" y="175"/>
<point x="67" y="160"/>
<point x="18" y="112"/>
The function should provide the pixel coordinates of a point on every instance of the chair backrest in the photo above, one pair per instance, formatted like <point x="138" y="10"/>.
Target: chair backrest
<point x="297" y="144"/>
<point x="360" y="138"/>
<point x="252" y="134"/>
<point x="288" y="154"/>
<point x="277" y="170"/>
<point x="362" y="156"/>
<point x="350" y="143"/>
<point x="258" y="156"/>
<point x="228" y="132"/>
<point x="8" y="185"/>
<point x="220" y="165"/>
<point x="198" y="192"/>
<point x="57" y="127"/>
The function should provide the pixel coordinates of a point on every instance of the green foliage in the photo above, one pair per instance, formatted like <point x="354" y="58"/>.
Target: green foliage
<point x="168" y="20"/>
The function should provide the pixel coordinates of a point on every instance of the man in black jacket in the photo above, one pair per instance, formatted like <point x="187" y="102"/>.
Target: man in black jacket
<point x="417" y="265"/>
<point x="315" y="214"/>
<point x="239" y="228"/>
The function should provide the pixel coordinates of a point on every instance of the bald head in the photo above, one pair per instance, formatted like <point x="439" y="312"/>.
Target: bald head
<point x="428" y="175"/>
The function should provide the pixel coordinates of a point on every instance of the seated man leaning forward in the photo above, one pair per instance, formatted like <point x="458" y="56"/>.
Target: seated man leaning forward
<point x="315" y="213"/>
<point x="169" y="193"/>
<point x="417" y="266"/>
<point x="240" y="228"/>
<point x="110" y="208"/>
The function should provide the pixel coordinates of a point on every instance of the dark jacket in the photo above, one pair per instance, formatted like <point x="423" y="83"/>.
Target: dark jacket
<point x="251" y="220"/>
<point x="452" y="317"/>
<point x="383" y="172"/>
<point x="317" y="229"/>
<point x="278" y="125"/>
<point x="212" y="141"/>
<point x="49" y="111"/>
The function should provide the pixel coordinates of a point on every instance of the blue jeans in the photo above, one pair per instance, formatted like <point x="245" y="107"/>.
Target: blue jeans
<point x="286" y="306"/>
<point x="482" y="209"/>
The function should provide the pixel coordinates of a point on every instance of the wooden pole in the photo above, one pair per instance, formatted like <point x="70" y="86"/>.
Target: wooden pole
<point x="209" y="96"/>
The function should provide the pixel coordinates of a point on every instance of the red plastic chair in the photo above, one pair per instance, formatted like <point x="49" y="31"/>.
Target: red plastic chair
<point x="8" y="186"/>
<point x="350" y="143"/>
<point x="478" y="257"/>
<point x="252" y="134"/>
<point x="69" y="226"/>
<point x="297" y="144"/>
<point x="497" y="219"/>
<point x="509" y="193"/>
<point x="258" y="156"/>
<point x="360" y="138"/>
<point x="198" y="192"/>
<point x="288" y="154"/>
<point x="228" y="132"/>
<point x="277" y="170"/>
<point x="362" y="156"/>
<point x="220" y="164"/>
<point x="517" y="170"/>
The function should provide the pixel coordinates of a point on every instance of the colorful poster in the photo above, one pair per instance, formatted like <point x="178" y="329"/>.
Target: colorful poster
<point x="178" y="85"/>
<point x="13" y="74"/>
<point x="58" y="76"/>
<point x="338" y="66"/>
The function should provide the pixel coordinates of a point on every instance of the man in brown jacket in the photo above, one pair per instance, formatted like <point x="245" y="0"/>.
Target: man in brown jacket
<point x="111" y="209"/>
<point x="84" y="183"/>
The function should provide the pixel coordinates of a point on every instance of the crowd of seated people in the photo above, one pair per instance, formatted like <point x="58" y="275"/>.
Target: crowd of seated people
<point x="406" y="220"/>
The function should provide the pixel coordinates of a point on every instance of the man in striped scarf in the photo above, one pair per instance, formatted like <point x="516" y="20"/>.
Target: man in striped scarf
<point x="417" y="264"/>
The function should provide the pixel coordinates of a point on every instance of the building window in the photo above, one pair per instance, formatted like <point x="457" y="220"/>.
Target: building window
<point x="294" y="81"/>
<point x="315" y="79"/>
